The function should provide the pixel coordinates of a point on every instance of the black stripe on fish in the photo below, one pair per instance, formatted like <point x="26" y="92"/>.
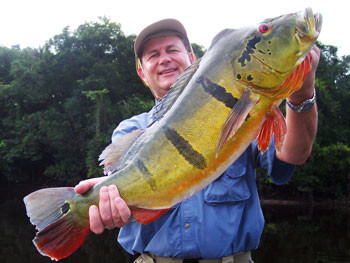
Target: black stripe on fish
<point x="146" y="174"/>
<point x="185" y="149"/>
<point x="217" y="91"/>
<point x="251" y="45"/>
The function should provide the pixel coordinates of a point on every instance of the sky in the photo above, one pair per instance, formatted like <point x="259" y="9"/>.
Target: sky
<point x="30" y="23"/>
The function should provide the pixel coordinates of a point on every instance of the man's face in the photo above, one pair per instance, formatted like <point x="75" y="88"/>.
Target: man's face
<point x="163" y="60"/>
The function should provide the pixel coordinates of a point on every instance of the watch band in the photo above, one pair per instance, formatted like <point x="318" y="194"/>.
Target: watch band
<point x="305" y="106"/>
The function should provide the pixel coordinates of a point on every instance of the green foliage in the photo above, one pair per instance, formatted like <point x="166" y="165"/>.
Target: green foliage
<point x="326" y="173"/>
<point x="198" y="50"/>
<point x="59" y="105"/>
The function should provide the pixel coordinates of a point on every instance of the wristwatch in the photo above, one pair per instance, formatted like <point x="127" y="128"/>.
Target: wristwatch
<point x="305" y="106"/>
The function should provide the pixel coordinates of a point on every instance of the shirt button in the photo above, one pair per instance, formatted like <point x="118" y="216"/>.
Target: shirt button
<point x="187" y="225"/>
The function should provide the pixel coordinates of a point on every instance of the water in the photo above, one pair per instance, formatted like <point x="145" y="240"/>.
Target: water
<point x="292" y="234"/>
<point x="304" y="234"/>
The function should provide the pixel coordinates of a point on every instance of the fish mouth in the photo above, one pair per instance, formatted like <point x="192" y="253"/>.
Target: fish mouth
<point x="308" y="26"/>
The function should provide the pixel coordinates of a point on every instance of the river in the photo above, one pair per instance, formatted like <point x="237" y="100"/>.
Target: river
<point x="292" y="234"/>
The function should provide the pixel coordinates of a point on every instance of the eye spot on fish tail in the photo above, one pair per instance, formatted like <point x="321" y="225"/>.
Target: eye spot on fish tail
<point x="246" y="55"/>
<point x="65" y="208"/>
<point x="239" y="76"/>
<point x="146" y="174"/>
<point x="250" y="78"/>
<point x="185" y="149"/>
<point x="218" y="92"/>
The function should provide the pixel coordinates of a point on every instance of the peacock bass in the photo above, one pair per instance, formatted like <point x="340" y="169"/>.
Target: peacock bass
<point x="214" y="110"/>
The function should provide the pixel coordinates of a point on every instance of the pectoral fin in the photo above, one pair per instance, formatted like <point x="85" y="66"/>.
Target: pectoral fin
<point x="274" y="124"/>
<point x="236" y="118"/>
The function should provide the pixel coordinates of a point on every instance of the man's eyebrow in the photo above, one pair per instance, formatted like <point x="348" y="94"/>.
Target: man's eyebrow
<point x="156" y="50"/>
<point x="152" y="51"/>
<point x="172" y="45"/>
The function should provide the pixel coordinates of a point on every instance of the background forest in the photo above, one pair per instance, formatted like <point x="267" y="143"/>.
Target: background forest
<point x="60" y="103"/>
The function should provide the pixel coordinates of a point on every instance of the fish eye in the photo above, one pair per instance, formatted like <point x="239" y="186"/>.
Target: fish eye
<point x="264" y="28"/>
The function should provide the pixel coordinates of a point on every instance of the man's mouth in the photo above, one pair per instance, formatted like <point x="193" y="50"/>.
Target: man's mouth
<point x="168" y="71"/>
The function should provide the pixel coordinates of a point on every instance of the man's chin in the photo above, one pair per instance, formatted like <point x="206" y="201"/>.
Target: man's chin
<point x="165" y="85"/>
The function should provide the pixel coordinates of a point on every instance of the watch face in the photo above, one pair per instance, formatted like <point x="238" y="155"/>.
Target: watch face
<point x="304" y="106"/>
<point x="307" y="106"/>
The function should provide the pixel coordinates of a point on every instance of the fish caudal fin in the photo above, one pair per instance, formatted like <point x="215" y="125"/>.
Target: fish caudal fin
<point x="274" y="124"/>
<point x="61" y="238"/>
<point x="146" y="216"/>
<point x="60" y="231"/>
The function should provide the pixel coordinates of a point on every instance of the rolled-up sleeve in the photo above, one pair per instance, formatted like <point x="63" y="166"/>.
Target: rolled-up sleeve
<point x="279" y="171"/>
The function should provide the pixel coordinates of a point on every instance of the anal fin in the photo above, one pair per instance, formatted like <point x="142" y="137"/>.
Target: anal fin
<point x="146" y="216"/>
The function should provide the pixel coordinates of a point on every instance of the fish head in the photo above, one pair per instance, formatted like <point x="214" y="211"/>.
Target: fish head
<point x="272" y="51"/>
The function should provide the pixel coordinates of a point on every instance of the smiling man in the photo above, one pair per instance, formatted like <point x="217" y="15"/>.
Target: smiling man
<point x="163" y="59"/>
<point x="224" y="221"/>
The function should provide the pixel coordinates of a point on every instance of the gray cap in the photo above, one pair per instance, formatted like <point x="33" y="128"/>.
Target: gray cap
<point x="165" y="27"/>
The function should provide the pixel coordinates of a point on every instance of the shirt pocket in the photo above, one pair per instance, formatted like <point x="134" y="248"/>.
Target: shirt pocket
<point x="231" y="186"/>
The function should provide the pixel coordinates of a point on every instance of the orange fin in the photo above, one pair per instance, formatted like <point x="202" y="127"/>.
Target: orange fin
<point x="146" y="216"/>
<point x="236" y="118"/>
<point x="61" y="238"/>
<point x="295" y="81"/>
<point x="274" y="124"/>
<point x="60" y="230"/>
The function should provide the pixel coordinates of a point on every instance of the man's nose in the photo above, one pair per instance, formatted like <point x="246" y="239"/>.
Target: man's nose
<point x="164" y="58"/>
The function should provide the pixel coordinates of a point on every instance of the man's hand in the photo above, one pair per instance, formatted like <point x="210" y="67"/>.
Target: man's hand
<point x="111" y="212"/>
<point x="307" y="89"/>
<point x="301" y="127"/>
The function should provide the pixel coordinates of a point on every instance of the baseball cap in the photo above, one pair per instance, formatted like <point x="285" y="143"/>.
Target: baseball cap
<point x="165" y="27"/>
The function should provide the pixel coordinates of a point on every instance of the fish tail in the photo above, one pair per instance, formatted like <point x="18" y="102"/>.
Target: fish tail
<point x="60" y="229"/>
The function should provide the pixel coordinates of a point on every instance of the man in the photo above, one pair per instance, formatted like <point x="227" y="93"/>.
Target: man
<point x="223" y="221"/>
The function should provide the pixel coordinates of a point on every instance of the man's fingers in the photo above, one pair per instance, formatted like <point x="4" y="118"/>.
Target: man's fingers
<point x="85" y="185"/>
<point x="113" y="194"/>
<point x="96" y="224"/>
<point x="112" y="211"/>
<point x="124" y="211"/>
<point x="120" y="210"/>
<point x="105" y="208"/>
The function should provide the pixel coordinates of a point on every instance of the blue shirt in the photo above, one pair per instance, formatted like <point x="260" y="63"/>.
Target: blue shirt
<point x="222" y="219"/>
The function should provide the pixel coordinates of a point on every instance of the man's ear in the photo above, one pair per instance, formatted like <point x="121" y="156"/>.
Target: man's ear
<point x="141" y="74"/>
<point x="192" y="57"/>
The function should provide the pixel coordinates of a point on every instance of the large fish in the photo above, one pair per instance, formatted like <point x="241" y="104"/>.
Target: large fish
<point x="212" y="113"/>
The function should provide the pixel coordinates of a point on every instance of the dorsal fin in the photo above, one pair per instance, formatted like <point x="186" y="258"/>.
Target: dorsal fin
<point x="113" y="152"/>
<point x="176" y="89"/>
